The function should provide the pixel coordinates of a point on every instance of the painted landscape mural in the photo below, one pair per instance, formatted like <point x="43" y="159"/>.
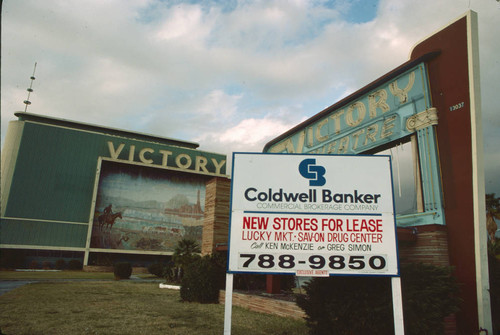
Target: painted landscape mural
<point x="141" y="208"/>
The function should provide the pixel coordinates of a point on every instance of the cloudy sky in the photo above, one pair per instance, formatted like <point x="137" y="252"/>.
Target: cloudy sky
<point x="230" y="74"/>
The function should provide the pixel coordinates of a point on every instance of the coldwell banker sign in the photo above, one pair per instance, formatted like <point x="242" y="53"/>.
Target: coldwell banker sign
<point x="312" y="215"/>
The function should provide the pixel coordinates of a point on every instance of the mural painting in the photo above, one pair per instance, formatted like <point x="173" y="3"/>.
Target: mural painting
<point x="142" y="208"/>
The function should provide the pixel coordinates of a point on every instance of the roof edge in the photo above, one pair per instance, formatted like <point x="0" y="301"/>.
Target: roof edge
<point x="23" y="116"/>
<point x="352" y="97"/>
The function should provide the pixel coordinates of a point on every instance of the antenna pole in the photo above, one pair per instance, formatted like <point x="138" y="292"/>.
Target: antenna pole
<point x="27" y="102"/>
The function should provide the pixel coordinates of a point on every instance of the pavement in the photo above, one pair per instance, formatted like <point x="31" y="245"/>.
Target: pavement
<point x="9" y="285"/>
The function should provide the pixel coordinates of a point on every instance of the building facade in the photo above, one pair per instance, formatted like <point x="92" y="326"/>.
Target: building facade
<point x="430" y="107"/>
<point x="79" y="191"/>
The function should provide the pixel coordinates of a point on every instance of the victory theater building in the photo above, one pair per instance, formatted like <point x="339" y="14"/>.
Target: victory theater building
<point x="72" y="190"/>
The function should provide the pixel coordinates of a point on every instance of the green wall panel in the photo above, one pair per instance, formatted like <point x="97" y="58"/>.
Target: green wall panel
<point x="55" y="171"/>
<point x="55" y="234"/>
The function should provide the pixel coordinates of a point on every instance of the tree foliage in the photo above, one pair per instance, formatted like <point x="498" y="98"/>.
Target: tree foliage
<point x="163" y="270"/>
<point x="183" y="255"/>
<point x="492" y="214"/>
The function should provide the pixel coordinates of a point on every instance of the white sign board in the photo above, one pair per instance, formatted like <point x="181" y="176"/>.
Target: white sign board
<point x="312" y="215"/>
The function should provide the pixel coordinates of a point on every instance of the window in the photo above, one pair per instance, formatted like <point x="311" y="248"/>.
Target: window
<point x="405" y="181"/>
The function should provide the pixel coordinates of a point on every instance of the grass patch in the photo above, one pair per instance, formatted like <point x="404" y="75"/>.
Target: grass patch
<point x="124" y="307"/>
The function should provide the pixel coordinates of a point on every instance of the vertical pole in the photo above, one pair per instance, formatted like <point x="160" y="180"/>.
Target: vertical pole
<point x="397" y="305"/>
<point x="228" y="304"/>
<point x="478" y="188"/>
<point x="273" y="284"/>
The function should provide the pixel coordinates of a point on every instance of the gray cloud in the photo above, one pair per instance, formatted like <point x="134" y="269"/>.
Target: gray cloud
<point x="231" y="75"/>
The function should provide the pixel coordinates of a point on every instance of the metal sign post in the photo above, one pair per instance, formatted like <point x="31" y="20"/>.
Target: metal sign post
<point x="397" y="306"/>
<point x="228" y="307"/>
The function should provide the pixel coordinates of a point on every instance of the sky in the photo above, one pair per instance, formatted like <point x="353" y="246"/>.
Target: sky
<point x="229" y="75"/>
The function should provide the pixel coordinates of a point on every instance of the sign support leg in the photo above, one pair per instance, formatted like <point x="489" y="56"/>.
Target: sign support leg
<point x="397" y="305"/>
<point x="228" y="307"/>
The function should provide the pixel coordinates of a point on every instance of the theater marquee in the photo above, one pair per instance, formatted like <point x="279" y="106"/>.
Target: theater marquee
<point x="393" y="110"/>
<point x="432" y="105"/>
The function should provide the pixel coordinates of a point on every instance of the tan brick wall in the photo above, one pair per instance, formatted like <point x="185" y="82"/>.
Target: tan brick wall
<point x="216" y="220"/>
<point x="265" y="305"/>
<point x="430" y="247"/>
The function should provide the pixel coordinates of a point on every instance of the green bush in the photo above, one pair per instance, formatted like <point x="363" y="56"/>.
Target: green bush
<point x="201" y="280"/>
<point x="12" y="258"/>
<point x="163" y="270"/>
<point x="362" y="305"/>
<point x="287" y="283"/>
<point x="185" y="252"/>
<point x="219" y="260"/>
<point x="75" y="264"/>
<point x="122" y="270"/>
<point x="494" y="269"/>
<point x="60" y="264"/>
<point x="249" y="281"/>
<point x="348" y="305"/>
<point x="258" y="282"/>
<point x="157" y="269"/>
<point x="430" y="293"/>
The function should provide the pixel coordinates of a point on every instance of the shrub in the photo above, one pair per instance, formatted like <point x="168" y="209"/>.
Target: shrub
<point x="348" y="305"/>
<point x="157" y="269"/>
<point x="12" y="259"/>
<point x="201" y="281"/>
<point x="249" y="281"/>
<point x="34" y="265"/>
<point x="75" y="264"/>
<point x="170" y="272"/>
<point x="60" y="264"/>
<point x="287" y="283"/>
<point x="360" y="305"/>
<point x="163" y="270"/>
<point x="219" y="260"/>
<point x="258" y="282"/>
<point x="46" y="265"/>
<point x="430" y="293"/>
<point x="185" y="253"/>
<point x="122" y="270"/>
<point x="494" y="269"/>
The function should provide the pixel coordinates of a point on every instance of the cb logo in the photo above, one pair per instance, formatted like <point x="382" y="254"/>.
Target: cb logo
<point x="315" y="173"/>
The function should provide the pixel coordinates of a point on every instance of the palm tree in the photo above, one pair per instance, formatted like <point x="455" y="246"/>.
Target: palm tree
<point x="492" y="214"/>
<point x="184" y="252"/>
